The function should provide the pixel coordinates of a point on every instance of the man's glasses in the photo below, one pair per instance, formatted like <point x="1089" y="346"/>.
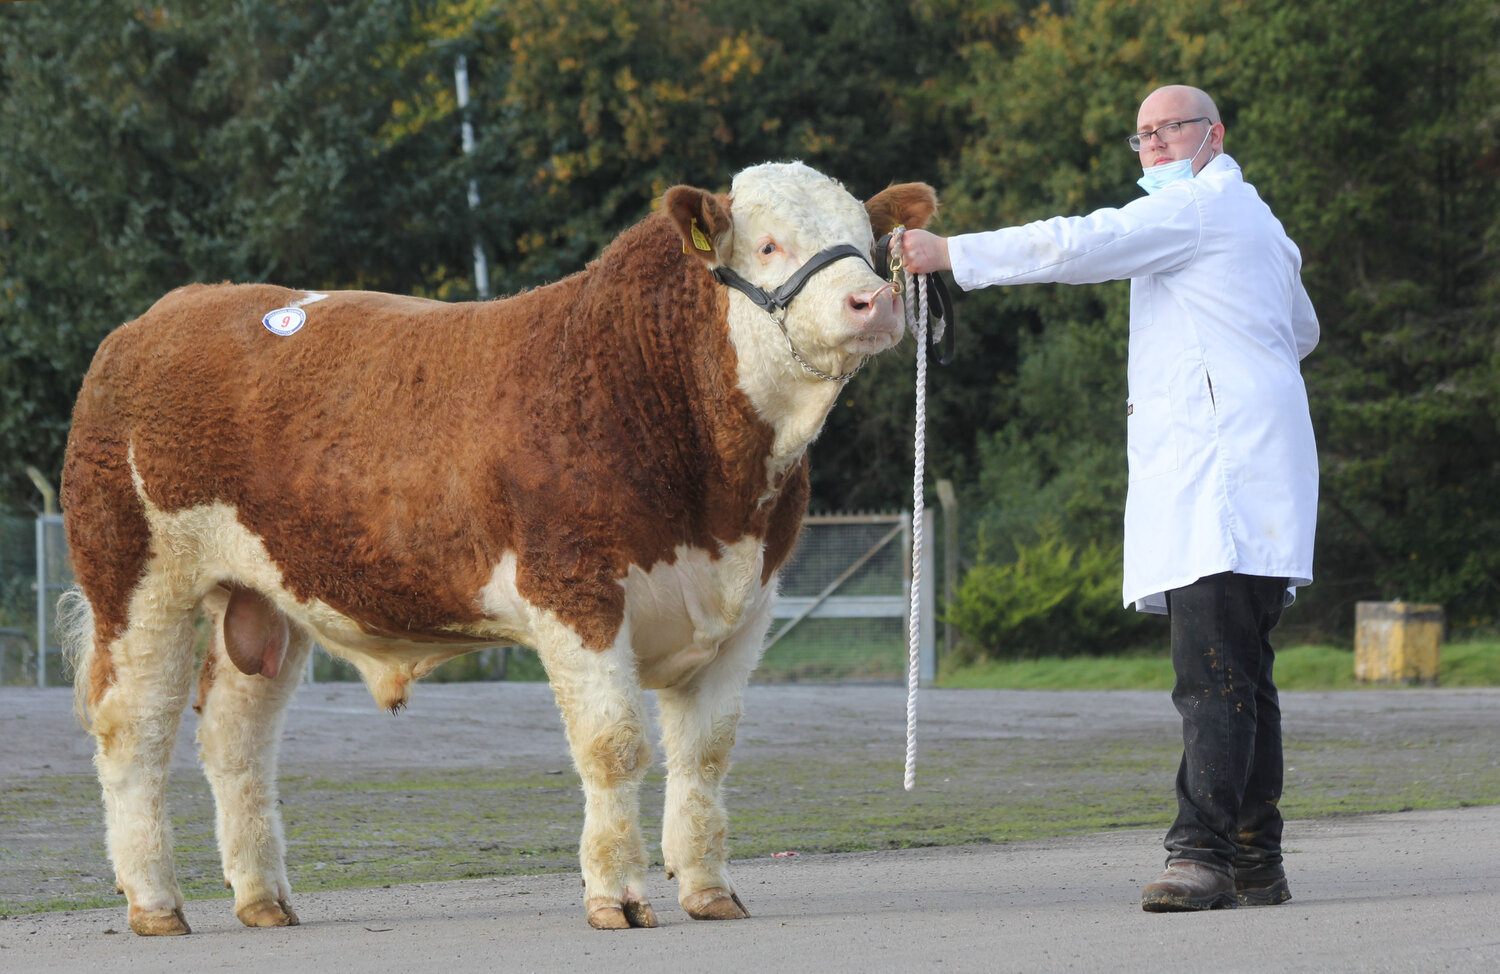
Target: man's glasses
<point x="1170" y="132"/>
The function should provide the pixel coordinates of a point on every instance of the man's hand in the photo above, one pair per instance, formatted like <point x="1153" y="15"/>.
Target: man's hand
<point x="923" y="252"/>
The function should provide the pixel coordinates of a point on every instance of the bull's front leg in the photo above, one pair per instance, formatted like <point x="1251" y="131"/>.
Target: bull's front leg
<point x="699" y="721"/>
<point x="599" y="695"/>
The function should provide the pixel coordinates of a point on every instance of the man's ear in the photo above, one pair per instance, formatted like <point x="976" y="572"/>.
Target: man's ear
<point x="703" y="220"/>
<point x="901" y="204"/>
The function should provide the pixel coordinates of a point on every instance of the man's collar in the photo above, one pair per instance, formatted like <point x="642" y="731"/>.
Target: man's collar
<point x="1221" y="163"/>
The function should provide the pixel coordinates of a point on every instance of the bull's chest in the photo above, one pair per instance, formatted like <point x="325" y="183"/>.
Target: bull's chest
<point x="682" y="616"/>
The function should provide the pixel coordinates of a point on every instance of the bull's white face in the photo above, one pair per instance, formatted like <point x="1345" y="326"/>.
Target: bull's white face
<point x="784" y="214"/>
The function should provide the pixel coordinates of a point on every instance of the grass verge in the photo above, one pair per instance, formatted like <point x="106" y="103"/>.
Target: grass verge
<point x="1463" y="664"/>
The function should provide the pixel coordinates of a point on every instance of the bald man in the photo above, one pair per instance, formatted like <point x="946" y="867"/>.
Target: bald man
<point x="1223" y="494"/>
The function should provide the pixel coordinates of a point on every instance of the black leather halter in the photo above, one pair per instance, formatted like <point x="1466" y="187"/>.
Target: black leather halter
<point x="773" y="301"/>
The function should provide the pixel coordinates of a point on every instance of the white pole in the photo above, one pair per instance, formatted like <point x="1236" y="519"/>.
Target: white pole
<point x="481" y="265"/>
<point x="41" y="601"/>
<point x="49" y="512"/>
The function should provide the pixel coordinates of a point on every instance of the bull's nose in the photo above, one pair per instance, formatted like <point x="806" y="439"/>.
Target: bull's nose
<point x="879" y="309"/>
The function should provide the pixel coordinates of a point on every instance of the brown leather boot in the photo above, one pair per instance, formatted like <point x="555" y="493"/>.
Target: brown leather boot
<point x="1188" y="886"/>
<point x="1262" y="886"/>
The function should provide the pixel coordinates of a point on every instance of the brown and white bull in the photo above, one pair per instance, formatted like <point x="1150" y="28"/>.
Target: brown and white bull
<point x="609" y="469"/>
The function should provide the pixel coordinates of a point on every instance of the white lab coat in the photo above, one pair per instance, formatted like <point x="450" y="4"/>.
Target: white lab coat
<point x="1223" y="468"/>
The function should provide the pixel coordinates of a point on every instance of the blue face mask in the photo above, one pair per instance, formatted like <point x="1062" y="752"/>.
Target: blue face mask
<point x="1153" y="180"/>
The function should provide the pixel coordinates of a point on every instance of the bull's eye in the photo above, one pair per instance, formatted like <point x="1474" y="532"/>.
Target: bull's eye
<point x="769" y="248"/>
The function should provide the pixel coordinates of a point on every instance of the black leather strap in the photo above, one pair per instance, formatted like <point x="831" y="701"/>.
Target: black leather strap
<point x="883" y="257"/>
<point x="940" y="308"/>
<point x="772" y="302"/>
<point x="763" y="299"/>
<point x="820" y="260"/>
<point x="939" y="301"/>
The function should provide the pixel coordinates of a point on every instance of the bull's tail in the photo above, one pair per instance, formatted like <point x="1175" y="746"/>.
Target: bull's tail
<point x="75" y="632"/>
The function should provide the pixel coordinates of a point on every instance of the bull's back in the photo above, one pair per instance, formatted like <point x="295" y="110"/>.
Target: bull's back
<point x="219" y="335"/>
<point x="207" y="395"/>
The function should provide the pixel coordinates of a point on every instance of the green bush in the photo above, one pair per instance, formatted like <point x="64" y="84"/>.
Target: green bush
<point x="1055" y="599"/>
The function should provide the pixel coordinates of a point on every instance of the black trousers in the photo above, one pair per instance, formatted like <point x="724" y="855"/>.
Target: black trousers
<point x="1229" y="782"/>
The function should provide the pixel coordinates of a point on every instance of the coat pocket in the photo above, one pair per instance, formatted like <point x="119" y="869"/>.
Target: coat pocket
<point x="1150" y="445"/>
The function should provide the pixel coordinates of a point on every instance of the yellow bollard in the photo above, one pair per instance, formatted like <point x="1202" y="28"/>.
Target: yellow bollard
<point x="1397" y="642"/>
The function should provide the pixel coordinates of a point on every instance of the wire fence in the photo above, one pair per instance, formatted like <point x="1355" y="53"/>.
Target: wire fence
<point x="18" y="601"/>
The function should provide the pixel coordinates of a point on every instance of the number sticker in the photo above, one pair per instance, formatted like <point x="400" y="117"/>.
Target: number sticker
<point x="284" y="321"/>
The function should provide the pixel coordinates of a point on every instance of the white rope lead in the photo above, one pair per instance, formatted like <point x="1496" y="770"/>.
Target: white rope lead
<point x="917" y="320"/>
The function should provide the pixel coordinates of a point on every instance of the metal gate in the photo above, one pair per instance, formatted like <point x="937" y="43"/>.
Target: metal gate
<point x="843" y="610"/>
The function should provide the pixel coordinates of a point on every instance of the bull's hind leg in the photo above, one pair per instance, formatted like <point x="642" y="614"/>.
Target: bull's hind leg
<point x="134" y="720"/>
<point x="698" y="723"/>
<point x="238" y="736"/>
<point x="600" y="699"/>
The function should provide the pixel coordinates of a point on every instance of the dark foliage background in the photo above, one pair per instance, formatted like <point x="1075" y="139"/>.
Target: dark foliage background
<point x="148" y="145"/>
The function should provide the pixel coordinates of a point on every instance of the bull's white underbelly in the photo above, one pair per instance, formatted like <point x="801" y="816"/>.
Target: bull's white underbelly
<point x="678" y="616"/>
<point x="681" y="615"/>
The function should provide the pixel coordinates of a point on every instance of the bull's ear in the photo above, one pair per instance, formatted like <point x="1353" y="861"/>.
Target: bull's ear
<point x="703" y="220"/>
<point x="901" y="204"/>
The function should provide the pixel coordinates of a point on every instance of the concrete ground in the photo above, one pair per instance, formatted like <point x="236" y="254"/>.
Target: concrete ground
<point x="1409" y="891"/>
<point x="1415" y="891"/>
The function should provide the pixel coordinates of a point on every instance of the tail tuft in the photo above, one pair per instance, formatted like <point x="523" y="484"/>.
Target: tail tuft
<point x="75" y="632"/>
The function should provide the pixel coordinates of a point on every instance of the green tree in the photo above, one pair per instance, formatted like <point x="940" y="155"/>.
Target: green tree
<point x="316" y="145"/>
<point x="150" y="146"/>
<point x="1375" y="129"/>
<point x="1371" y="129"/>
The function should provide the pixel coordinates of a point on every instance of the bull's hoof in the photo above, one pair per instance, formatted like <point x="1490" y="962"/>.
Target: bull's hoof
<point x="159" y="923"/>
<point x="715" y="903"/>
<point x="267" y="913"/>
<point x="608" y="914"/>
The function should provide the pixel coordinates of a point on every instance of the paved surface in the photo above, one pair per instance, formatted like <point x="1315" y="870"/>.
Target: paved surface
<point x="1413" y="891"/>
<point x="1416" y="891"/>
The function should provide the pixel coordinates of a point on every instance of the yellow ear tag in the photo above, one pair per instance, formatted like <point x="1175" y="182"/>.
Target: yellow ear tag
<point x="699" y="240"/>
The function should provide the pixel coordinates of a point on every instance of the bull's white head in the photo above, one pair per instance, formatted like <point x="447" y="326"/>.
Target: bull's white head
<point x="776" y="218"/>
